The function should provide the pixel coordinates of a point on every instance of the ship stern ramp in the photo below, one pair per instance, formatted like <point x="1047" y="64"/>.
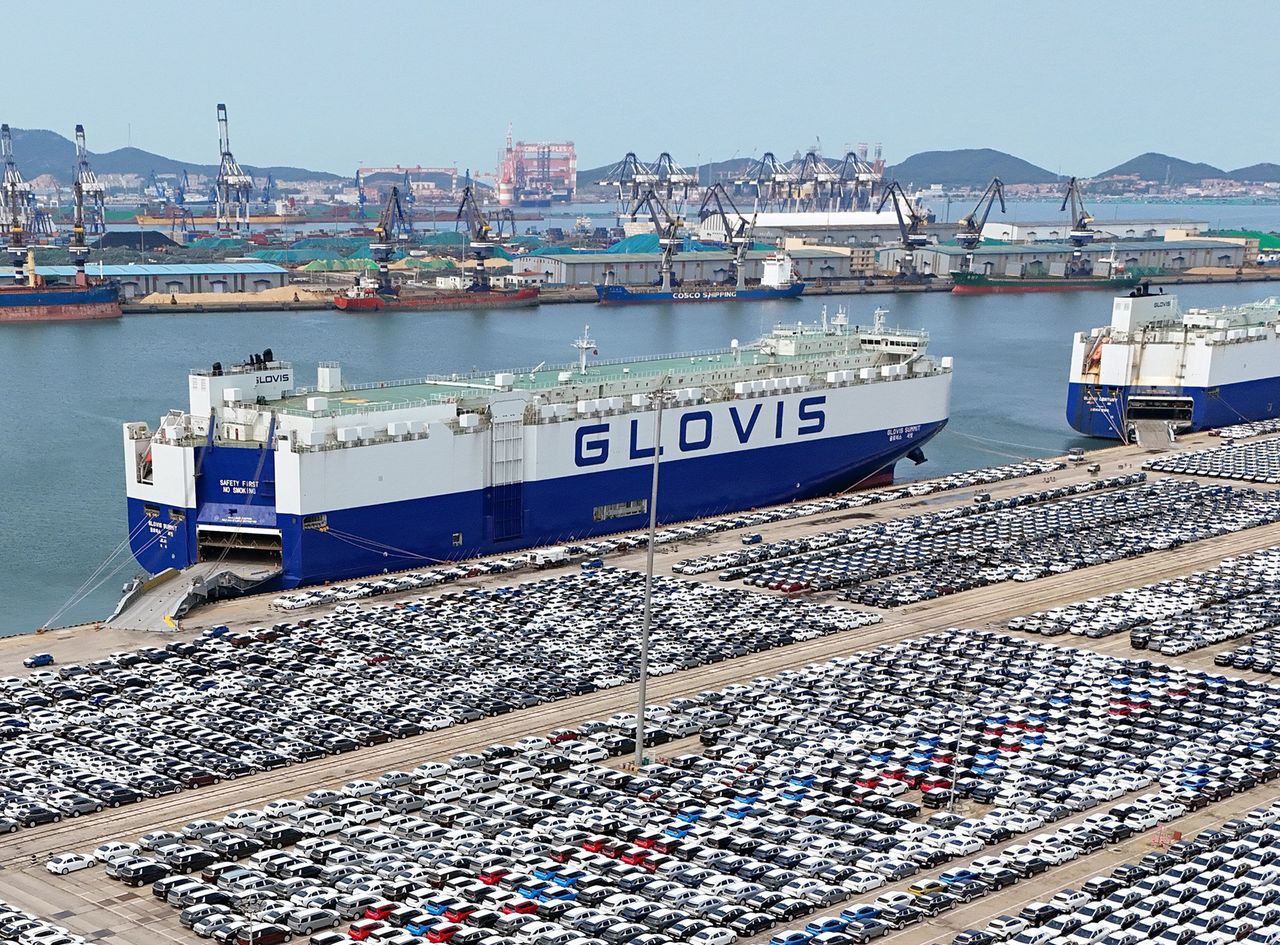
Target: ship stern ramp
<point x="159" y="603"/>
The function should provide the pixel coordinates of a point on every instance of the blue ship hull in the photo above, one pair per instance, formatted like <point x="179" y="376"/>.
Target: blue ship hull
<point x="1102" y="411"/>
<point x="623" y="295"/>
<point x="396" y="536"/>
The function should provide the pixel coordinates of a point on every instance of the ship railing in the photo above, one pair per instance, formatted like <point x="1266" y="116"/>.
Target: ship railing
<point x="347" y="410"/>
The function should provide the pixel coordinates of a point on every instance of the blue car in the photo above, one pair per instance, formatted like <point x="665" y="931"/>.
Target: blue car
<point x="38" y="659"/>
<point x="860" y="913"/>
<point x="421" y="926"/>
<point x="791" y="938"/>
<point x="833" y="924"/>
<point x="547" y="872"/>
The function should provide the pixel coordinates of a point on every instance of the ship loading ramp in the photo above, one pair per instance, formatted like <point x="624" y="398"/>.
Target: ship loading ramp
<point x="158" y="603"/>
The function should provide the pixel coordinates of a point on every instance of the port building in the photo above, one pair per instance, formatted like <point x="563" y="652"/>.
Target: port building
<point x="812" y="264"/>
<point x="139" y="280"/>
<point x="1049" y="258"/>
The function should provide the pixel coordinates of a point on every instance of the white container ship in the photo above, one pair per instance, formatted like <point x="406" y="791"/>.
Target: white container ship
<point x="343" y="480"/>
<point x="1180" y="371"/>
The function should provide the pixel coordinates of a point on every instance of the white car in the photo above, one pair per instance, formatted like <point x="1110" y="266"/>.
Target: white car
<point x="715" y="935"/>
<point x="115" y="850"/>
<point x="864" y="882"/>
<point x="281" y="808"/>
<point x="65" y="863"/>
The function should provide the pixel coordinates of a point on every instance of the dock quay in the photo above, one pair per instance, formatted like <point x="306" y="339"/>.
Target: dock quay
<point x="92" y="905"/>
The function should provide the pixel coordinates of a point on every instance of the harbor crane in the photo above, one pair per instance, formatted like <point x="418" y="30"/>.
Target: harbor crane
<point x="856" y="181"/>
<point x="969" y="227"/>
<point x="392" y="227"/>
<point x="816" y="182"/>
<point x="268" y="191"/>
<point x="483" y="237"/>
<point x="738" y="230"/>
<point x="671" y="177"/>
<point x="911" y="218"/>
<point x="17" y="193"/>
<point x="667" y="226"/>
<point x="768" y="180"/>
<point x="90" y="209"/>
<point x="1081" y="222"/>
<point x="234" y="187"/>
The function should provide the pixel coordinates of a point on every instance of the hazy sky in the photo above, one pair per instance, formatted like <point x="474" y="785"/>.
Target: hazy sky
<point x="1075" y="87"/>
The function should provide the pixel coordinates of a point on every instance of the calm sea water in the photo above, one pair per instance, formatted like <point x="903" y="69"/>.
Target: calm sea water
<point x="69" y="387"/>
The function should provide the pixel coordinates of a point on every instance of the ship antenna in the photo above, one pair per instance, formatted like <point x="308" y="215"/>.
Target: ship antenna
<point x="584" y="344"/>
<point x="824" y="319"/>
<point x="880" y="314"/>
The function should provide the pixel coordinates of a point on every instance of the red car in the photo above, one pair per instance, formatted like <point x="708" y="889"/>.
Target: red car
<point x="490" y="877"/>
<point x="363" y="929"/>
<point x="380" y="910"/>
<point x="521" y="907"/>
<point x="635" y="856"/>
<point x="558" y="735"/>
<point x="868" y="781"/>
<point x="460" y="912"/>
<point x="594" y="844"/>
<point x="442" y="933"/>
<point x="934" y="783"/>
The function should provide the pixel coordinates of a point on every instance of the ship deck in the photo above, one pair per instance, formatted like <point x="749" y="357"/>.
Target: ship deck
<point x="716" y="364"/>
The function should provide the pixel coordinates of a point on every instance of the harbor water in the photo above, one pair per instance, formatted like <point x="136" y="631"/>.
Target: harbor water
<point x="74" y="384"/>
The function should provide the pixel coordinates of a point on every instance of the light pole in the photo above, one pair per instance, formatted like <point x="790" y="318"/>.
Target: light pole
<point x="955" y="759"/>
<point x="659" y="397"/>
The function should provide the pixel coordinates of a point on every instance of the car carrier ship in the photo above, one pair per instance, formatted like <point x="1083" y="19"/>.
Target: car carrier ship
<point x="1170" y="371"/>
<point x="342" y="480"/>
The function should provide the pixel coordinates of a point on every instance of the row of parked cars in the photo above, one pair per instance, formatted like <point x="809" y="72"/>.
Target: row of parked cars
<point x="81" y="738"/>
<point x="1245" y="462"/>
<point x="741" y="563"/>
<point x="622" y="544"/>
<point x="1019" y="539"/>
<point x="1217" y="888"/>
<point x="1260" y="655"/>
<point x="1242" y="431"/>
<point x="808" y="791"/>
<point x="1237" y="597"/>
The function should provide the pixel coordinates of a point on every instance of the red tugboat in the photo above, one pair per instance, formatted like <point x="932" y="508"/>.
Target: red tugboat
<point x="361" y="297"/>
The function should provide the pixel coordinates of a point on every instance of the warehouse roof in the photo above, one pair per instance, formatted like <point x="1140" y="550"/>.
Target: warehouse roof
<point x="176" y="269"/>
<point x="1121" y="246"/>
<point x="705" y="256"/>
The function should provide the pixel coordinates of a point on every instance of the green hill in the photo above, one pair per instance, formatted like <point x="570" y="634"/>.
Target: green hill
<point x="38" y="151"/>
<point x="1264" y="173"/>
<point x="1162" y="168"/>
<point x="967" y="167"/>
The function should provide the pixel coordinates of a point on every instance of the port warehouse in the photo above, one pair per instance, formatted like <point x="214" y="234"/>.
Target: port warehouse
<point x="811" y="263"/>
<point x="1032" y="259"/>
<point x="139" y="280"/>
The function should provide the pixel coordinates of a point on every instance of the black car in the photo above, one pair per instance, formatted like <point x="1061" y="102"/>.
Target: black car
<point x="899" y="917"/>
<point x="998" y="877"/>
<point x="932" y="904"/>
<point x="968" y="890"/>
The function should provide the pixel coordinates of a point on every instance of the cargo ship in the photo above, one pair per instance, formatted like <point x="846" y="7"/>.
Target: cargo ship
<point x="341" y="480"/>
<point x="1173" y="370"/>
<point x="30" y="299"/>
<point x="967" y="282"/>
<point x="48" y="303"/>
<point x="777" y="282"/>
<point x="366" y="298"/>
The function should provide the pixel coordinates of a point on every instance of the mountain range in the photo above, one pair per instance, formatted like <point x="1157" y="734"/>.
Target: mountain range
<point x="46" y="152"/>
<point x="39" y="152"/>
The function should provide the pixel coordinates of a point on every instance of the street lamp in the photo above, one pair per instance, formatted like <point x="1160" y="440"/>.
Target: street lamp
<point x="955" y="760"/>
<point x="658" y="397"/>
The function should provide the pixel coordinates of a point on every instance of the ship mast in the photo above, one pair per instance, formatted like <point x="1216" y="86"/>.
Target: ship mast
<point x="583" y="345"/>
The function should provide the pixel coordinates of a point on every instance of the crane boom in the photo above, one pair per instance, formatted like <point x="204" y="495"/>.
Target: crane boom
<point x="392" y="225"/>
<point x="234" y="187"/>
<point x="483" y="237"/>
<point x="910" y="225"/>
<point x="1081" y="221"/>
<point x="668" y="229"/>
<point x="738" y="235"/>
<point x="969" y="232"/>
